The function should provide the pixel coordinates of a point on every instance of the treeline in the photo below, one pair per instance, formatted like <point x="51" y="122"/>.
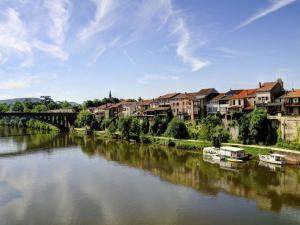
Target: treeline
<point x="254" y="128"/>
<point x="45" y="104"/>
<point x="99" y="102"/>
<point x="27" y="123"/>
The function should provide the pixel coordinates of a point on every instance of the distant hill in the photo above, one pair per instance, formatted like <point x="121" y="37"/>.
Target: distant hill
<point x="13" y="100"/>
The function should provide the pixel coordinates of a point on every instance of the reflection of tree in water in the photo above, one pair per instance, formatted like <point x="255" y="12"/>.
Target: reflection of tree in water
<point x="270" y="189"/>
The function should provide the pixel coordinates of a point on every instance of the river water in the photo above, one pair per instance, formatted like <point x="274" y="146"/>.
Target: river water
<point x="61" y="179"/>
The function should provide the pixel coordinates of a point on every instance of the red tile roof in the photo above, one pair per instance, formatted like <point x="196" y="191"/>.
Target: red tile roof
<point x="207" y="91"/>
<point x="292" y="94"/>
<point x="244" y="94"/>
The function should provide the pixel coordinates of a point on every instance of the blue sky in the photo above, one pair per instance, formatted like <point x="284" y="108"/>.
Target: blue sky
<point x="77" y="50"/>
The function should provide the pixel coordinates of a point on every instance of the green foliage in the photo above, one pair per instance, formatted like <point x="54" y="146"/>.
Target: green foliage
<point x="112" y="127"/>
<point x="145" y="126"/>
<point x="258" y="126"/>
<point x="244" y="132"/>
<point x="86" y="119"/>
<point x="17" y="107"/>
<point x="124" y="125"/>
<point x="104" y="123"/>
<point x="219" y="136"/>
<point x="158" y="126"/>
<point x="40" y="108"/>
<point x="135" y="128"/>
<point x="177" y="129"/>
<point x="4" y="107"/>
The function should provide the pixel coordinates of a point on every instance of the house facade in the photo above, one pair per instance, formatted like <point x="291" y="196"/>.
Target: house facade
<point x="243" y="101"/>
<point x="267" y="96"/>
<point x="291" y="103"/>
<point x="182" y="105"/>
<point x="200" y="100"/>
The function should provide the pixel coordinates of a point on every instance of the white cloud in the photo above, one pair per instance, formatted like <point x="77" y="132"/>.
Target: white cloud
<point x="104" y="18"/>
<point x="13" y="33"/>
<point x="15" y="38"/>
<point x="19" y="83"/>
<point x="275" y="5"/>
<point x="148" y="78"/>
<point x="59" y="13"/>
<point x="183" y="47"/>
<point x="54" y="50"/>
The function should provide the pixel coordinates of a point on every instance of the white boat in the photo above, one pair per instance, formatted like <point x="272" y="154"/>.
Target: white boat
<point x="233" y="154"/>
<point x="273" y="158"/>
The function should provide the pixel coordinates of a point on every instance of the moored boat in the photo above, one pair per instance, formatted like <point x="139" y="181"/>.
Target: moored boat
<point x="273" y="158"/>
<point x="233" y="154"/>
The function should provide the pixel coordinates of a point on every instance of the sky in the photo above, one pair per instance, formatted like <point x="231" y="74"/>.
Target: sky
<point x="76" y="50"/>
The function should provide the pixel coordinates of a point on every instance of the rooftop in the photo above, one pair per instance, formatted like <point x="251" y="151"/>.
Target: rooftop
<point x="206" y="91"/>
<point x="218" y="97"/>
<point x="267" y="86"/>
<point x="292" y="94"/>
<point x="170" y="95"/>
<point x="244" y="94"/>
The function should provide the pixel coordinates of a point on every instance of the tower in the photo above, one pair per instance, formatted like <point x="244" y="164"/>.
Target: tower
<point x="109" y="96"/>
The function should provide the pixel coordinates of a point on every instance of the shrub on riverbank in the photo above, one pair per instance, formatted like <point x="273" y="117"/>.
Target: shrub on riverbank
<point x="177" y="129"/>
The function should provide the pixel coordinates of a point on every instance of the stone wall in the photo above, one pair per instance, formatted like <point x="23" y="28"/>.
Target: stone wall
<point x="289" y="126"/>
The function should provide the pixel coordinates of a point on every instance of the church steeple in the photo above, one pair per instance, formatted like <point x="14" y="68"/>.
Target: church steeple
<point x="109" y="96"/>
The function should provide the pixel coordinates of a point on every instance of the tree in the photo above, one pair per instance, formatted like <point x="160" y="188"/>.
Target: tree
<point x="145" y="126"/>
<point x="177" y="129"/>
<point x="4" y="107"/>
<point x="219" y="136"/>
<point x="65" y="105"/>
<point x="86" y="119"/>
<point x="124" y="125"/>
<point x="258" y="126"/>
<point x="17" y="107"/>
<point x="39" y="108"/>
<point x="135" y="128"/>
<point x="244" y="132"/>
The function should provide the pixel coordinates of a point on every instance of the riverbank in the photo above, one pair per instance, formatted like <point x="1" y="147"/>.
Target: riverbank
<point x="197" y="145"/>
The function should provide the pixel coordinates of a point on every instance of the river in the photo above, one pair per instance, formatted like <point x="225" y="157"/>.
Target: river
<point x="61" y="179"/>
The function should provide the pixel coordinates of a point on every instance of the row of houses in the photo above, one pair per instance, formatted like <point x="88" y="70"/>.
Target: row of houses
<point x="270" y="96"/>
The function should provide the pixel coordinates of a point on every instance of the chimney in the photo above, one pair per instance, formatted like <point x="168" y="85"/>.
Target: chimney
<point x="259" y="84"/>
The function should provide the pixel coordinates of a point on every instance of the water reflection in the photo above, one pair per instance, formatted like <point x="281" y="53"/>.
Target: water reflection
<point x="272" y="188"/>
<point x="50" y="181"/>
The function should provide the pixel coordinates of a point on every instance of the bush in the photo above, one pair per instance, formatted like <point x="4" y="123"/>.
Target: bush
<point x="124" y="127"/>
<point x="145" y="126"/>
<point x="177" y="129"/>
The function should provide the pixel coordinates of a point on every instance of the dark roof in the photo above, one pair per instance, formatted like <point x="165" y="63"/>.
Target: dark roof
<point x="170" y="95"/>
<point x="218" y="97"/>
<point x="207" y="91"/>
<point x="185" y="95"/>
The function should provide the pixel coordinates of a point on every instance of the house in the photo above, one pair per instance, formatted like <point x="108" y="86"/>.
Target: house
<point x="291" y="102"/>
<point x="243" y="101"/>
<point x="121" y="109"/>
<point x="143" y="106"/>
<point x="165" y="100"/>
<point x="162" y="111"/>
<point x="224" y="102"/>
<point x="213" y="106"/>
<point x="266" y="96"/>
<point x="182" y="105"/>
<point x="200" y="100"/>
<point x="103" y="111"/>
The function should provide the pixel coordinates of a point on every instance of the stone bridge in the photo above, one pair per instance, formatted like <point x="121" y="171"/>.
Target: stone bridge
<point x="62" y="120"/>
